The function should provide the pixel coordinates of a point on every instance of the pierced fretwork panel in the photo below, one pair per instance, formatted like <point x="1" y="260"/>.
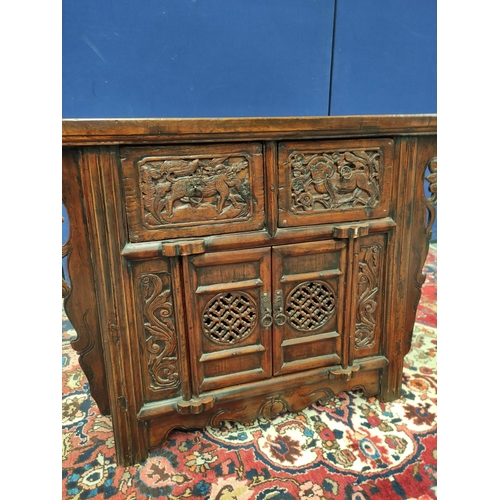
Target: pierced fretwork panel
<point x="310" y="305"/>
<point x="230" y="317"/>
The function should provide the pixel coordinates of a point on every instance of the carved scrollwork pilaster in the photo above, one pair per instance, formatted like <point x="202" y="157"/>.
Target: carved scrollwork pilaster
<point x="368" y="290"/>
<point x="161" y="342"/>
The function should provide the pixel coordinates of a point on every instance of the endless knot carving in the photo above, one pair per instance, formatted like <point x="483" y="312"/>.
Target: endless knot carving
<point x="332" y="181"/>
<point x="230" y="317"/>
<point x="310" y="305"/>
<point x="177" y="189"/>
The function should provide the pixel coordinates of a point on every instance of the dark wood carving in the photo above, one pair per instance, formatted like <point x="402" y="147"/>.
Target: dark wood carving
<point x="230" y="317"/>
<point x="431" y="200"/>
<point x="337" y="180"/>
<point x="160" y="333"/>
<point x="309" y="305"/>
<point x="172" y="188"/>
<point x="368" y="291"/>
<point x="65" y="285"/>
<point x="183" y="191"/>
<point x="227" y="269"/>
<point x="273" y="406"/>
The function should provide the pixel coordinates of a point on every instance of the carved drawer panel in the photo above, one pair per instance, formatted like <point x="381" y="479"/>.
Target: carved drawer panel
<point x="334" y="181"/>
<point x="192" y="190"/>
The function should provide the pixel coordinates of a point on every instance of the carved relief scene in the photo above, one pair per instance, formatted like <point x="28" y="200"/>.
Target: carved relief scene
<point x="337" y="180"/>
<point x="183" y="189"/>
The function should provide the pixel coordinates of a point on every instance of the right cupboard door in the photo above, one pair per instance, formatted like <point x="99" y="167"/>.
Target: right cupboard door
<point x="308" y="305"/>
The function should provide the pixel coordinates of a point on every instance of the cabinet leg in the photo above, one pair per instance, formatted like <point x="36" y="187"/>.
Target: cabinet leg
<point x="131" y="449"/>
<point x="391" y="383"/>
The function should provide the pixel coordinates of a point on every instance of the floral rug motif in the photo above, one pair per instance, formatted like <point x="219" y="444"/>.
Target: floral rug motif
<point x="350" y="448"/>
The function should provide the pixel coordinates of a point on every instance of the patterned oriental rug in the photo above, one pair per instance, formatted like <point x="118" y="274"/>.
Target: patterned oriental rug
<point x="351" y="448"/>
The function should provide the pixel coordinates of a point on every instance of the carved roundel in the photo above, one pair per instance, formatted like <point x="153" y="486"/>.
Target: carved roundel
<point x="229" y="317"/>
<point x="310" y="305"/>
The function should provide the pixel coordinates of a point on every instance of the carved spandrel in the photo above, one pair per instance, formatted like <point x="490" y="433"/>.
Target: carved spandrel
<point x="335" y="181"/>
<point x="182" y="189"/>
<point x="431" y="201"/>
<point x="368" y="295"/>
<point x="66" y="288"/>
<point x="430" y="180"/>
<point x="161" y="342"/>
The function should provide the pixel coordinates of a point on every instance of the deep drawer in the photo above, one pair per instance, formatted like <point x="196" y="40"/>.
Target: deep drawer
<point x="334" y="181"/>
<point x="192" y="190"/>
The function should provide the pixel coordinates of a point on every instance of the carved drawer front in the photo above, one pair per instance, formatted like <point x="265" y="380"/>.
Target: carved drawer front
<point x="192" y="190"/>
<point x="334" y="181"/>
<point x="229" y="296"/>
<point x="308" y="305"/>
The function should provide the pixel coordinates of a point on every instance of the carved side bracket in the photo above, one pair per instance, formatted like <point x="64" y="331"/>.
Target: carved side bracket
<point x="66" y="288"/>
<point x="431" y="201"/>
<point x="430" y="178"/>
<point x="423" y="220"/>
<point x="80" y="301"/>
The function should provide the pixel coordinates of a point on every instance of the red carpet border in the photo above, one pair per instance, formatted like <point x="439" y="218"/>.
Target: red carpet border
<point x="351" y="448"/>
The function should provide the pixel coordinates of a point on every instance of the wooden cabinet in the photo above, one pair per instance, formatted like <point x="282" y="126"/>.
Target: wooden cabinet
<point x="228" y="269"/>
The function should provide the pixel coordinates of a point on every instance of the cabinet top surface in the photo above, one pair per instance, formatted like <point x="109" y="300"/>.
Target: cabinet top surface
<point x="81" y="132"/>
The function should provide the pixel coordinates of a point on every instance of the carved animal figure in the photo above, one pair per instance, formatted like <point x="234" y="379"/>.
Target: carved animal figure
<point x="218" y="179"/>
<point x="345" y="185"/>
<point x="197" y="188"/>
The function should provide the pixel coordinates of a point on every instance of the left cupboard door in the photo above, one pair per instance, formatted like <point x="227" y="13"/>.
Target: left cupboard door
<point x="228" y="298"/>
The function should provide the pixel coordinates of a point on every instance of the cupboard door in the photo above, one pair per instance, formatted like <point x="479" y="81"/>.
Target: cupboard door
<point x="308" y="305"/>
<point x="228" y="296"/>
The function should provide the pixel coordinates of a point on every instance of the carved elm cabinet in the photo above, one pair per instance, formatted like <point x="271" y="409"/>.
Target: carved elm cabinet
<point x="228" y="269"/>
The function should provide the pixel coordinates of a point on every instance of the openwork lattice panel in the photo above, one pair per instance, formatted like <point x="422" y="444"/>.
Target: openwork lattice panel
<point x="229" y="317"/>
<point x="310" y="305"/>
